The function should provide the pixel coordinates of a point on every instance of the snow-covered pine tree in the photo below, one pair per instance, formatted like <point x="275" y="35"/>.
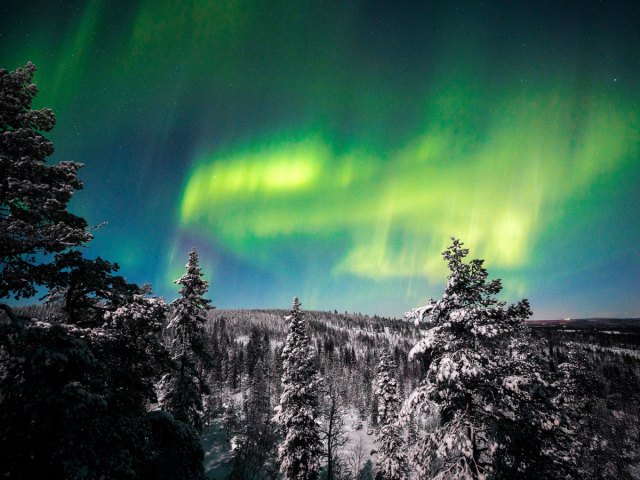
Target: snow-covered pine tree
<point x="182" y="390"/>
<point x="33" y="195"/>
<point x="485" y="383"/>
<point x="392" y="460"/>
<point x="136" y="360"/>
<point x="300" y="451"/>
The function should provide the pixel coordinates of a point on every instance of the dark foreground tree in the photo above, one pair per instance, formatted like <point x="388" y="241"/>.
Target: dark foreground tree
<point x="183" y="388"/>
<point x="174" y="452"/>
<point x="300" y="451"/>
<point x="75" y="384"/>
<point x="86" y="289"/>
<point x="485" y="384"/>
<point x="73" y="401"/>
<point x="34" y="220"/>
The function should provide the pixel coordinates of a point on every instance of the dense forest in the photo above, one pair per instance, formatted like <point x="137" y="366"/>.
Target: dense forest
<point x="104" y="380"/>
<point x="604" y="365"/>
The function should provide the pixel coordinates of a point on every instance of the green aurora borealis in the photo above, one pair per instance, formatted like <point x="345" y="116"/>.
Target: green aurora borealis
<point x="330" y="149"/>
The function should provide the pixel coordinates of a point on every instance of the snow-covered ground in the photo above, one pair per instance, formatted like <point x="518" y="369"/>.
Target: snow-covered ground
<point x="218" y="456"/>
<point x="360" y="437"/>
<point x="218" y="452"/>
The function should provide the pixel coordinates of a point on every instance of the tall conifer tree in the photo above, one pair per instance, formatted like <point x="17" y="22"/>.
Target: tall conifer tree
<point x="485" y="384"/>
<point x="75" y="384"/>
<point x="300" y="451"/>
<point x="183" y="388"/>
<point x="34" y="220"/>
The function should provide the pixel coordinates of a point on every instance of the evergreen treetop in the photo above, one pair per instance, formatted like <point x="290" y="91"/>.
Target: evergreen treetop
<point x="190" y="309"/>
<point x="181" y="389"/>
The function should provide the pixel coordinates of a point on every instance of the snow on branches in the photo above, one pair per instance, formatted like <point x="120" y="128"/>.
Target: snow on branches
<point x="300" y="451"/>
<point x="34" y="196"/>
<point x="484" y="381"/>
<point x="181" y="390"/>
<point x="392" y="460"/>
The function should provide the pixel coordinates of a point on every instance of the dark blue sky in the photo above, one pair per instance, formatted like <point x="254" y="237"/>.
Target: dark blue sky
<point x="330" y="149"/>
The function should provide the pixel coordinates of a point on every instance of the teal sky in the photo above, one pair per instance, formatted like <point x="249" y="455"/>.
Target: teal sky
<point x="330" y="149"/>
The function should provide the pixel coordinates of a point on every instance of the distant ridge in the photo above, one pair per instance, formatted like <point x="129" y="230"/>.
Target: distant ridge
<point x="598" y="323"/>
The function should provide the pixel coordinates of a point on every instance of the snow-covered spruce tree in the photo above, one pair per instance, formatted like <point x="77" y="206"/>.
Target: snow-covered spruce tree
<point x="34" y="220"/>
<point x="171" y="448"/>
<point x="392" y="460"/>
<point x="300" y="451"/>
<point x="181" y="390"/>
<point x="485" y="383"/>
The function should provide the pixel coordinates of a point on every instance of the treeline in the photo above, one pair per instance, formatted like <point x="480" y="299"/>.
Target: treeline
<point x="237" y="338"/>
<point x="605" y="371"/>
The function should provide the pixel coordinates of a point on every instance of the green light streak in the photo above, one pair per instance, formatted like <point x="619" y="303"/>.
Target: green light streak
<point x="290" y="168"/>
<point x="196" y="34"/>
<point x="497" y="180"/>
<point x="73" y="55"/>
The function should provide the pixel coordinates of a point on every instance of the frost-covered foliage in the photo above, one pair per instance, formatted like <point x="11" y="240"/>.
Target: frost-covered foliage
<point x="485" y="382"/>
<point x="190" y="309"/>
<point x="604" y="412"/>
<point x="182" y="389"/>
<point x="392" y="459"/>
<point x="135" y="328"/>
<point x="34" y="220"/>
<point x="300" y="451"/>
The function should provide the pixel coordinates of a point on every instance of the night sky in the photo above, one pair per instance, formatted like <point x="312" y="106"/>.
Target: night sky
<point x="330" y="149"/>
